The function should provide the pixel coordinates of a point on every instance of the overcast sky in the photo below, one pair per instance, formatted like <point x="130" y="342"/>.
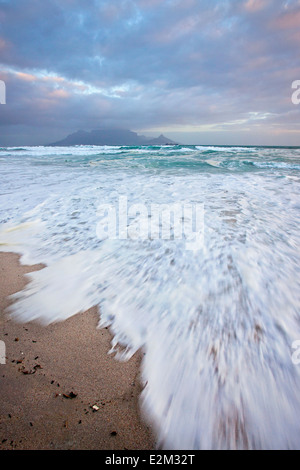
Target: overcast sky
<point x="199" y="71"/>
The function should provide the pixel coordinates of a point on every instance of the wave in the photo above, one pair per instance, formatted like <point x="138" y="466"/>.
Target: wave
<point x="229" y="149"/>
<point x="216" y="324"/>
<point x="13" y="149"/>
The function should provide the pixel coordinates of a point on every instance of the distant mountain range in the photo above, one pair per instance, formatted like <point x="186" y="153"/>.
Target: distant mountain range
<point x="111" y="137"/>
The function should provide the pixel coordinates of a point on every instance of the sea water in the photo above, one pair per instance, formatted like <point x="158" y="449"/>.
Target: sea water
<point x="218" y="324"/>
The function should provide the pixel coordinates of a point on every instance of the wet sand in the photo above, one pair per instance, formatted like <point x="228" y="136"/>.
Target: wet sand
<point x="59" y="387"/>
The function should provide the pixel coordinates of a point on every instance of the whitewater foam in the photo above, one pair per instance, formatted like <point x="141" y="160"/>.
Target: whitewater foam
<point x="218" y="324"/>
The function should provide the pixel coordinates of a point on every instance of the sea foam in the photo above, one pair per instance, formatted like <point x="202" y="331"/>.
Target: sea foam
<point x="216" y="324"/>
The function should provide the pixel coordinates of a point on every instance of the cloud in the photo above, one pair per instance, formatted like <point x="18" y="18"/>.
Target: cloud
<point x="289" y="20"/>
<point x="254" y="6"/>
<point x="146" y="64"/>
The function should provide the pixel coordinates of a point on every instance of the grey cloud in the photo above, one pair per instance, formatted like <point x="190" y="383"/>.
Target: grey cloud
<point x="148" y="63"/>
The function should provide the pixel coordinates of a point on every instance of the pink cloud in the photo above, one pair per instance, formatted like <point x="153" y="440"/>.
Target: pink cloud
<point x="255" y="5"/>
<point x="59" y="94"/>
<point x="150" y="3"/>
<point x="26" y="77"/>
<point x="289" y="20"/>
<point x="2" y="44"/>
<point x="181" y="28"/>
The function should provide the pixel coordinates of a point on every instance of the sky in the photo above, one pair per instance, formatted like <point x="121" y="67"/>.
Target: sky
<point x="199" y="71"/>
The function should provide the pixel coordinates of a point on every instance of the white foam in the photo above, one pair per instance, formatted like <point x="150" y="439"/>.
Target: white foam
<point x="216" y="325"/>
<point x="226" y="149"/>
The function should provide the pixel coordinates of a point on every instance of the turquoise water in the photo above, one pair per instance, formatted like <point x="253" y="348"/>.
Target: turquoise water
<point x="217" y="323"/>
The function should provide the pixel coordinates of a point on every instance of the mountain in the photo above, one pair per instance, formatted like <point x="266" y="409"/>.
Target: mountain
<point x="161" y="140"/>
<point x="111" y="137"/>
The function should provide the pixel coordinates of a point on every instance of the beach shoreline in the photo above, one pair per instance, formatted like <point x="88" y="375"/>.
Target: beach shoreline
<point x="60" y="389"/>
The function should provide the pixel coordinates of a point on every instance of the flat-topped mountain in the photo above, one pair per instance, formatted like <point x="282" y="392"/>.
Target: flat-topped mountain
<point x="111" y="137"/>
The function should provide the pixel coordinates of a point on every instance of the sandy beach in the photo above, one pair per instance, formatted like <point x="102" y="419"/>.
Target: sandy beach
<point x="59" y="387"/>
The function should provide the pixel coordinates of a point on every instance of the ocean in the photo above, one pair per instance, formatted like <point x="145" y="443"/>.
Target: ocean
<point x="192" y="254"/>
